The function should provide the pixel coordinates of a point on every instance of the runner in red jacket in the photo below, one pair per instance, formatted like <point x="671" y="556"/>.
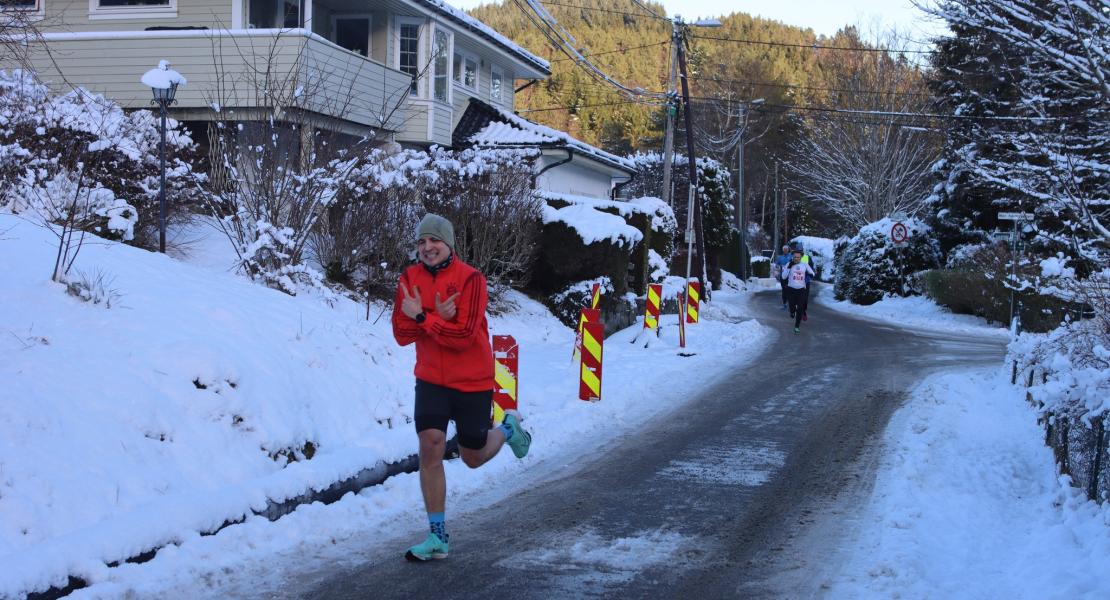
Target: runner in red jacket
<point x="441" y="306"/>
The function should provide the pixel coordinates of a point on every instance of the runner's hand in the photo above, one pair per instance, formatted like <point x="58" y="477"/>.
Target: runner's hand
<point x="410" y="303"/>
<point x="447" y="309"/>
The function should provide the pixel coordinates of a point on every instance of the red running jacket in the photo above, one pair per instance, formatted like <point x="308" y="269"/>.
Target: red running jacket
<point x="455" y="353"/>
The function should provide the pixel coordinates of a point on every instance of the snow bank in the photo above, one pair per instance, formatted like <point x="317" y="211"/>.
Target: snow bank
<point x="181" y="406"/>
<point x="916" y="312"/>
<point x="593" y="225"/>
<point x="967" y="505"/>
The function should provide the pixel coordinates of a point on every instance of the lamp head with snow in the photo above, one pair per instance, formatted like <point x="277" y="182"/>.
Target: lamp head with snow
<point x="163" y="82"/>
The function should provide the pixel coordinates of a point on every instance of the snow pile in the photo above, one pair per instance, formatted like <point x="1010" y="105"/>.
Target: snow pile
<point x="592" y="225"/>
<point x="198" y="396"/>
<point x="915" y="312"/>
<point x="967" y="505"/>
<point x="594" y="220"/>
<point x="175" y="410"/>
<point x="163" y="77"/>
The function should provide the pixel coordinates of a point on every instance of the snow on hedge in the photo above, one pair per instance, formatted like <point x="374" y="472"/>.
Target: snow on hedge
<point x="593" y="225"/>
<point x="587" y="217"/>
<point x="823" y="250"/>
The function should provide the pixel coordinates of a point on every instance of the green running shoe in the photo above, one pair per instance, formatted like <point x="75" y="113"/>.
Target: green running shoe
<point x="796" y="330"/>
<point x="520" y="440"/>
<point x="432" y="548"/>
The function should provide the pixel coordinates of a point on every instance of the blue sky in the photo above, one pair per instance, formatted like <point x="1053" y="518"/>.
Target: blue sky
<point x="823" y="16"/>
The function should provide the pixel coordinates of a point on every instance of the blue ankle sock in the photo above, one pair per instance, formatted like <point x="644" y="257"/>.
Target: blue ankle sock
<point x="438" y="525"/>
<point x="508" y="431"/>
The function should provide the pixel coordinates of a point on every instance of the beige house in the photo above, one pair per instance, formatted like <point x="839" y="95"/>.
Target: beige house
<point x="403" y="70"/>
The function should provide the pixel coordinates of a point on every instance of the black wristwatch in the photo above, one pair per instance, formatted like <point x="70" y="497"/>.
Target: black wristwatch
<point x="420" y="317"/>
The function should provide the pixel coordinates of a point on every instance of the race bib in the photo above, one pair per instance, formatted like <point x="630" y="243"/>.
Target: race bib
<point x="798" y="276"/>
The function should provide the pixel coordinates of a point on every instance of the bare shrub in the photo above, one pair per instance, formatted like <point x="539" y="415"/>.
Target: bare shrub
<point x="95" y="288"/>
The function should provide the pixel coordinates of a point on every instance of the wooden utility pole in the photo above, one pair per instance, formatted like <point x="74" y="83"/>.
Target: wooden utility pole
<point x="671" y="108"/>
<point x="693" y="205"/>
<point x="775" y="200"/>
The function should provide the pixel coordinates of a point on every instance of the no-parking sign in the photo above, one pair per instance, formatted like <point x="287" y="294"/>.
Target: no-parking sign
<point x="899" y="233"/>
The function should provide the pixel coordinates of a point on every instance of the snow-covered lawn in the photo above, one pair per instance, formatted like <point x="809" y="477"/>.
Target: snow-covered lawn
<point x="915" y="312"/>
<point x="967" y="504"/>
<point x="140" y="425"/>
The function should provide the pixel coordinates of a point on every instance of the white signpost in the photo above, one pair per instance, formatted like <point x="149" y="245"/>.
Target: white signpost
<point x="1016" y="217"/>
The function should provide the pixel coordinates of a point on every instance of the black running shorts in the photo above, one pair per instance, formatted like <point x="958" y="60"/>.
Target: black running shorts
<point x="435" y="405"/>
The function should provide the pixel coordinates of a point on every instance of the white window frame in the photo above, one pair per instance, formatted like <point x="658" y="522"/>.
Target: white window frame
<point x="335" y="18"/>
<point x="448" y="97"/>
<point x="495" y="69"/>
<point x="163" y="11"/>
<point x="34" y="13"/>
<point x="421" y="50"/>
<point x="459" y="77"/>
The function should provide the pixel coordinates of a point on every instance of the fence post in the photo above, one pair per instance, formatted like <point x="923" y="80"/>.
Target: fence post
<point x="1013" y="373"/>
<point x="1092" y="485"/>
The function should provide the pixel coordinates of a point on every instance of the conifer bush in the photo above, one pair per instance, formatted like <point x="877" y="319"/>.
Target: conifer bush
<point x="870" y="266"/>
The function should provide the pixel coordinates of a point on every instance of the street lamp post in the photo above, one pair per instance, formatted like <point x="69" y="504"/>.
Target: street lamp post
<point x="163" y="82"/>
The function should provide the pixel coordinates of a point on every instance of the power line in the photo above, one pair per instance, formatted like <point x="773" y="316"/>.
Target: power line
<point x="564" y="42"/>
<point x="813" y="46"/>
<point x="649" y="10"/>
<point x="618" y="50"/>
<point x="607" y="10"/>
<point x="785" y="108"/>
<point x="807" y="87"/>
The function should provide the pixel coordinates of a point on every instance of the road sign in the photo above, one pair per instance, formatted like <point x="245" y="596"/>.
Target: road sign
<point x="1015" y="216"/>
<point x="899" y="233"/>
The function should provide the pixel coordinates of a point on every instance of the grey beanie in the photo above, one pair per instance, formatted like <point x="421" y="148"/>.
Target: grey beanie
<point x="437" y="227"/>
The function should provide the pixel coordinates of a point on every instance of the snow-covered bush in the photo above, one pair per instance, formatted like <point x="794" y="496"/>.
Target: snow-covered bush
<point x="568" y="303"/>
<point x="821" y="250"/>
<point x="976" y="282"/>
<point x="587" y="238"/>
<point x="79" y="158"/>
<point x="1068" y="374"/>
<point x="95" y="288"/>
<point x="366" y="237"/>
<point x="487" y="196"/>
<point x="869" y="266"/>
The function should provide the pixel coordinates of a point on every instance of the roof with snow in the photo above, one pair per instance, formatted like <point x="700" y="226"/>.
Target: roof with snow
<point x="486" y="125"/>
<point x="485" y="31"/>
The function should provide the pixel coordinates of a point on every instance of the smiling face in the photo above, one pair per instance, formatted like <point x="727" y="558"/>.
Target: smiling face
<point x="432" y="250"/>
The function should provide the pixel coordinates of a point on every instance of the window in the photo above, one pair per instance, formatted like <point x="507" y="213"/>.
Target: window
<point x="352" y="32"/>
<point x="496" y="85"/>
<point x="291" y="14"/>
<point x="442" y="74"/>
<point x="466" y="70"/>
<point x="132" y="9"/>
<point x="110" y="3"/>
<point x="408" y="51"/>
<point x="30" y="5"/>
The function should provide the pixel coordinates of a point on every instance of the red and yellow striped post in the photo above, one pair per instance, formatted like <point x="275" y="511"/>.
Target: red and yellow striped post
<point x="505" y="378"/>
<point x="681" y="321"/>
<point x="593" y="340"/>
<point x="651" y="308"/>
<point x="595" y="295"/>
<point x="588" y="315"/>
<point x="693" y="296"/>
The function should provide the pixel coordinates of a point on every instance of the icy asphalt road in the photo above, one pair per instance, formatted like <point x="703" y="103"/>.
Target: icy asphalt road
<point x="748" y="492"/>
